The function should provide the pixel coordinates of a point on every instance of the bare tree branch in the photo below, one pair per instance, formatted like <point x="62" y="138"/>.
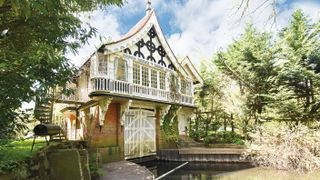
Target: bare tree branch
<point x="265" y="4"/>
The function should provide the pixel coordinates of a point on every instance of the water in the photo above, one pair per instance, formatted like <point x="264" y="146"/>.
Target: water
<point x="193" y="171"/>
<point x="223" y="171"/>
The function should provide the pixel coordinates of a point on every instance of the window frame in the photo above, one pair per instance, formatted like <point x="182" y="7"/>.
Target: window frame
<point x="136" y="73"/>
<point x="102" y="62"/>
<point x="124" y="76"/>
<point x="162" y="80"/>
<point x="145" y="76"/>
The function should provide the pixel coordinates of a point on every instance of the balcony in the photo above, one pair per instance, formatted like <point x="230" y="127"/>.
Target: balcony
<point x="117" y="87"/>
<point x="74" y="97"/>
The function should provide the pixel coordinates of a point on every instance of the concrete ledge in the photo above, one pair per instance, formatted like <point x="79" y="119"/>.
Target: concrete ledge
<point x="198" y="154"/>
<point x="195" y="150"/>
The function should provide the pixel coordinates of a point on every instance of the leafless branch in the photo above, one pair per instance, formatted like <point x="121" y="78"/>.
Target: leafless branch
<point x="243" y="8"/>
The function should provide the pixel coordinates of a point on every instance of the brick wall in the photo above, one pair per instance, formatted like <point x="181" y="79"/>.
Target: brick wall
<point x="107" y="134"/>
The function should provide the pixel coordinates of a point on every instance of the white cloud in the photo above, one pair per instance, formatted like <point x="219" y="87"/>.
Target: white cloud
<point x="107" y="27"/>
<point x="204" y="26"/>
<point x="312" y="9"/>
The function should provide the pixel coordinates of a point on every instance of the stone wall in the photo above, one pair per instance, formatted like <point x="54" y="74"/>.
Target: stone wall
<point x="61" y="162"/>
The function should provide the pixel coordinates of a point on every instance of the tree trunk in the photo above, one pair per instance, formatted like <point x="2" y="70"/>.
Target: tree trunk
<point x="232" y="123"/>
<point x="225" y="122"/>
<point x="207" y="125"/>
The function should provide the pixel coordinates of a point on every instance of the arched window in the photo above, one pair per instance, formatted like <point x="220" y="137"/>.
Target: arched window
<point x="121" y="69"/>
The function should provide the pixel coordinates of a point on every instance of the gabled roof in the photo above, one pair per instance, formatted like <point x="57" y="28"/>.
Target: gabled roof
<point x="136" y="33"/>
<point x="135" y="29"/>
<point x="191" y="70"/>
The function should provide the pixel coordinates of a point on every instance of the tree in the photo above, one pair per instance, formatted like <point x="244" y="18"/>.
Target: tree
<point x="35" y="35"/>
<point x="298" y="67"/>
<point x="249" y="61"/>
<point x="209" y="100"/>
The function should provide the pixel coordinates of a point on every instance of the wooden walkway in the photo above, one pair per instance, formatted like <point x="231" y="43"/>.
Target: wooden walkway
<point x="124" y="170"/>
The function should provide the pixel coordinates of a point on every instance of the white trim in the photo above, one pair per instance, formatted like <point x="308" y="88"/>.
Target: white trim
<point x="152" y="21"/>
<point x="186" y="61"/>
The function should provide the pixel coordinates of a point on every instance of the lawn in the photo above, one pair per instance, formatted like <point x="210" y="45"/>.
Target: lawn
<point x="16" y="151"/>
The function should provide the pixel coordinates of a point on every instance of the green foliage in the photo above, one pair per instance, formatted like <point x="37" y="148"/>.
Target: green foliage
<point x="13" y="153"/>
<point x="94" y="165"/>
<point x="15" y="127"/>
<point x="275" y="78"/>
<point x="20" y="171"/>
<point x="203" y="124"/>
<point x="169" y="129"/>
<point x="195" y="134"/>
<point x="39" y="33"/>
<point x="224" y="137"/>
<point x="298" y="66"/>
<point x="249" y="61"/>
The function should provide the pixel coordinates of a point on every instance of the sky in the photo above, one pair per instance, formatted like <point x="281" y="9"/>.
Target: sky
<point x="194" y="28"/>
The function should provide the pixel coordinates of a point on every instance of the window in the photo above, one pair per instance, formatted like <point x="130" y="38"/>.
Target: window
<point x="92" y="67"/>
<point x="189" y="88"/>
<point x="136" y="73"/>
<point x="145" y="76"/>
<point x="154" y="78"/>
<point x="102" y="69"/>
<point x="162" y="79"/>
<point x="121" y="69"/>
<point x="183" y="86"/>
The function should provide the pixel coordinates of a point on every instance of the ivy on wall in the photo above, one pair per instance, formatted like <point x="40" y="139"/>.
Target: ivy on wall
<point x="169" y="128"/>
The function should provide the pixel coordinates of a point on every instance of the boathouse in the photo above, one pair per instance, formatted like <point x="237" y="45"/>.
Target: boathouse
<point x="122" y="92"/>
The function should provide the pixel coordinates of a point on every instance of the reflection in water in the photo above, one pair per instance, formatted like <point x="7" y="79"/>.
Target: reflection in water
<point x="223" y="171"/>
<point x="197" y="171"/>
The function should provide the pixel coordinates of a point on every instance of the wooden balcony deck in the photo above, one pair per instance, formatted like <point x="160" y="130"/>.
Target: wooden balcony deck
<point x="116" y="87"/>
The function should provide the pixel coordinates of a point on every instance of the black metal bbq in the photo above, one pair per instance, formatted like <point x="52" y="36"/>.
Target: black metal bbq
<point x="44" y="130"/>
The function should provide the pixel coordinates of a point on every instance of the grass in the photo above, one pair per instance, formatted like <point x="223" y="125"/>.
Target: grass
<point x="16" y="151"/>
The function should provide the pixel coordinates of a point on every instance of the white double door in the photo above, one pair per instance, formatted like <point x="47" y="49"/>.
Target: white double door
<point x="139" y="133"/>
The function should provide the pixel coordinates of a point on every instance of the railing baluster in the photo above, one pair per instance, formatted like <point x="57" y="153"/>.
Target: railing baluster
<point x="104" y="84"/>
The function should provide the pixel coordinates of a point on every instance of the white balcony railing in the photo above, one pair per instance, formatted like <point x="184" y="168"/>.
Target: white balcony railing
<point x="73" y="97"/>
<point x="125" y="88"/>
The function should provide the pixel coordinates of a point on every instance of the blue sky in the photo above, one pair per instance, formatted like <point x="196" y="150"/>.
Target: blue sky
<point x="197" y="28"/>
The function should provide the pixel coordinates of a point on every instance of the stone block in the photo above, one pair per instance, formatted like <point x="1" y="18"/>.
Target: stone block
<point x="65" y="165"/>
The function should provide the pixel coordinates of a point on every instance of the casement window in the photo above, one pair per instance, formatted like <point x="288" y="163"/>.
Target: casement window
<point x="162" y="79"/>
<point x="121" y="69"/>
<point x="136" y="73"/>
<point x="145" y="76"/>
<point x="154" y="78"/>
<point x="189" y="88"/>
<point x="103" y="67"/>
<point x="183" y="86"/>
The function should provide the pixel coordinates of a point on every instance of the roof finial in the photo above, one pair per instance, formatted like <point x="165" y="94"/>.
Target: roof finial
<point x="148" y="7"/>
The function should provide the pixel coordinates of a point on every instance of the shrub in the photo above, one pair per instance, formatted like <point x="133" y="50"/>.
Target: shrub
<point x="284" y="148"/>
<point x="197" y="134"/>
<point x="13" y="153"/>
<point x="224" y="137"/>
